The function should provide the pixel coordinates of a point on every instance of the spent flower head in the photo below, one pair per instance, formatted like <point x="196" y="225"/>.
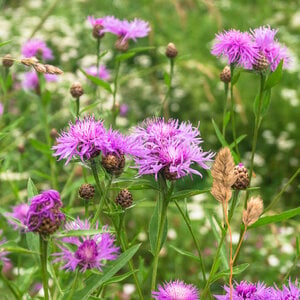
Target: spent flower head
<point x="37" y="48"/>
<point x="176" y="290"/>
<point x="86" y="252"/>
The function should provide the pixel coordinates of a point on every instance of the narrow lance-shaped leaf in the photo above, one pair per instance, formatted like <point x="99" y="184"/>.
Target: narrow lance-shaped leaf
<point x="275" y="77"/>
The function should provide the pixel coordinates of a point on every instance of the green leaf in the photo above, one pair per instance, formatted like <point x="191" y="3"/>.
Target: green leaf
<point x="31" y="189"/>
<point x="41" y="147"/>
<point x="80" y="233"/>
<point x="95" y="281"/>
<point x="187" y="193"/>
<point x="33" y="244"/>
<point x="275" y="77"/>
<point x="13" y="248"/>
<point x="167" y="79"/>
<point x="134" y="184"/>
<point x="91" y="106"/>
<point x="141" y="49"/>
<point x="185" y="253"/>
<point x="266" y="102"/>
<point x="98" y="81"/>
<point x="236" y="270"/>
<point x="276" y="218"/>
<point x="236" y="76"/>
<point x="124" y="56"/>
<point x="119" y="278"/>
<point x="5" y="43"/>
<point x="226" y="119"/>
<point x="219" y="134"/>
<point x="238" y="140"/>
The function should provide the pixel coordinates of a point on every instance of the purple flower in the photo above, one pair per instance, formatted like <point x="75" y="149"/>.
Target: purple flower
<point x="88" y="252"/>
<point x="290" y="292"/>
<point x="128" y="30"/>
<point x="168" y="147"/>
<point x="44" y="215"/>
<point x="84" y="139"/>
<point x="124" y="108"/>
<point x="3" y="253"/>
<point x="1" y="109"/>
<point x="94" y="22"/>
<point x="102" y="73"/>
<point x="19" y="212"/>
<point x="238" y="47"/>
<point x="37" y="48"/>
<point x="176" y="290"/>
<point x="267" y="45"/>
<point x="246" y="290"/>
<point x="31" y="80"/>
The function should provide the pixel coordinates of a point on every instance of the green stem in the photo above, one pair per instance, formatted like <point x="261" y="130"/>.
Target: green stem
<point x="74" y="284"/>
<point x="86" y="208"/>
<point x="44" y="257"/>
<point x="225" y="109"/>
<point x="233" y="204"/>
<point x="113" y="109"/>
<point x="297" y="258"/>
<point x="196" y="243"/>
<point x="165" y="106"/>
<point x="77" y="108"/>
<point x="98" y="54"/>
<point x="233" y="113"/>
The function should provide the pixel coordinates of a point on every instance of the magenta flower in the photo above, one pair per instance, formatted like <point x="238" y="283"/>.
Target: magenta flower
<point x="44" y="215"/>
<point x="86" y="252"/>
<point x="169" y="148"/>
<point x="124" y="108"/>
<point x="19" y="212"/>
<point x="245" y="290"/>
<point x="84" y="139"/>
<point x="266" y="44"/>
<point x="3" y="253"/>
<point x="290" y="292"/>
<point x="95" y="21"/>
<point x="176" y="290"/>
<point x="102" y="73"/>
<point x="31" y="80"/>
<point x="238" y="47"/>
<point x="37" y="48"/>
<point x="1" y="109"/>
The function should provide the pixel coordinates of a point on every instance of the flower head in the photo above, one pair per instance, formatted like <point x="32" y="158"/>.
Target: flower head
<point x="84" y="139"/>
<point x="31" y="80"/>
<point x="245" y="290"/>
<point x="238" y="47"/>
<point x="290" y="292"/>
<point x="102" y="73"/>
<point x="37" y="48"/>
<point x="269" y="47"/>
<point x="168" y="147"/>
<point x="1" y="109"/>
<point x="88" y="252"/>
<point x="19" y="212"/>
<point x="176" y="290"/>
<point x="44" y="215"/>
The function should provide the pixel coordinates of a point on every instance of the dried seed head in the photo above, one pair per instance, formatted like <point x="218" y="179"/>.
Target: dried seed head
<point x="53" y="70"/>
<point x="31" y="61"/>
<point x="87" y="191"/>
<point x="171" y="51"/>
<point x="254" y="210"/>
<point x="121" y="44"/>
<point x="124" y="199"/>
<point x="76" y="90"/>
<point x="113" y="163"/>
<point x="40" y="68"/>
<point x="261" y="63"/>
<point x="225" y="75"/>
<point x="220" y="193"/>
<point x="7" y="61"/>
<point x="97" y="34"/>
<point x="242" y="177"/>
<point x="223" y="168"/>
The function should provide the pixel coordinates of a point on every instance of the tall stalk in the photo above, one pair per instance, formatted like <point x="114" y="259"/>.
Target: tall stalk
<point x="44" y="257"/>
<point x="165" y="103"/>
<point x="113" y="108"/>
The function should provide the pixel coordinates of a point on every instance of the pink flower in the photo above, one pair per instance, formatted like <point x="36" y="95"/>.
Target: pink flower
<point x="102" y="73"/>
<point x="19" y="212"/>
<point x="37" y="48"/>
<point x="31" y="80"/>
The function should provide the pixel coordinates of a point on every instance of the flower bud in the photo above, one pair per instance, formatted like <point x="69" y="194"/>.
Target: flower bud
<point x="53" y="133"/>
<point x="124" y="199"/>
<point x="261" y="63"/>
<point x="171" y="51"/>
<point x="7" y="61"/>
<point x="121" y="44"/>
<point x="169" y="175"/>
<point x="225" y="75"/>
<point x="97" y="34"/>
<point x="113" y="163"/>
<point x="87" y="191"/>
<point x="242" y="177"/>
<point x="76" y="90"/>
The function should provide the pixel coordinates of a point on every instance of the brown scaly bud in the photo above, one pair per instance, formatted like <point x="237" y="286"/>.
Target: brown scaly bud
<point x="21" y="148"/>
<point x="113" y="163"/>
<point x="124" y="199"/>
<point x="254" y="210"/>
<point x="7" y="61"/>
<point x="121" y="44"/>
<point x="40" y="68"/>
<point x="97" y="34"/>
<point x="76" y="90"/>
<point x="53" y="70"/>
<point x="87" y="191"/>
<point x="225" y="75"/>
<point x="31" y="61"/>
<point x="261" y="63"/>
<point x="171" y="50"/>
<point x="242" y="177"/>
<point x="169" y="175"/>
<point x="53" y="133"/>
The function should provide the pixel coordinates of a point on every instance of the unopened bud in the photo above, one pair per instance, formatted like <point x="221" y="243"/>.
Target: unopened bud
<point x="254" y="210"/>
<point x="7" y="61"/>
<point x="242" y="177"/>
<point x="171" y="51"/>
<point x="97" y="34"/>
<point x="225" y="75"/>
<point x="21" y="148"/>
<point x="76" y="90"/>
<point x="122" y="44"/>
<point x="124" y="199"/>
<point x="87" y="191"/>
<point x="53" y="133"/>
<point x="261" y="63"/>
<point x="113" y="163"/>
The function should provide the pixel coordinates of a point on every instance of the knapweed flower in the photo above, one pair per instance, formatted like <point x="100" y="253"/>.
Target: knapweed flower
<point x="44" y="215"/>
<point x="37" y="48"/>
<point x="84" y="139"/>
<point x="102" y="72"/>
<point x="176" y="290"/>
<point x="1" y="109"/>
<point x="31" y="80"/>
<point x="290" y="292"/>
<point x="3" y="253"/>
<point x="97" y="26"/>
<point x="169" y="148"/>
<point x="86" y="252"/>
<point x="245" y="290"/>
<point x="19" y="212"/>
<point x="269" y="47"/>
<point x="238" y="47"/>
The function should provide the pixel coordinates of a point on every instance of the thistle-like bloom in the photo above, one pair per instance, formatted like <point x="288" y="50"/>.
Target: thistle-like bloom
<point x="102" y="73"/>
<point x="168" y="147"/>
<point x="245" y="290"/>
<point x="290" y="292"/>
<point x="31" y="80"/>
<point x="88" y="252"/>
<point x="1" y="109"/>
<point x="84" y="139"/>
<point x="3" y="253"/>
<point x="269" y="47"/>
<point x="176" y="290"/>
<point x="44" y="215"/>
<point x="19" y="212"/>
<point x="238" y="47"/>
<point x="37" y="48"/>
